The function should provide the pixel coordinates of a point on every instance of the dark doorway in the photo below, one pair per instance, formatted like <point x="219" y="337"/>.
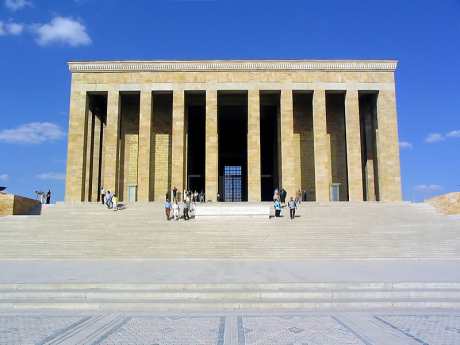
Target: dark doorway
<point x="196" y="138"/>
<point x="269" y="143"/>
<point x="232" y="129"/>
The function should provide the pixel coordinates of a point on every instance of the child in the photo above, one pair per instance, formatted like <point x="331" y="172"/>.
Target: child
<point x="167" y="208"/>
<point x="114" y="202"/>
<point x="277" y="206"/>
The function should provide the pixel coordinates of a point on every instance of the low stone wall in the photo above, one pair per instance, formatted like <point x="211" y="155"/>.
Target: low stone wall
<point x="447" y="203"/>
<point x="17" y="205"/>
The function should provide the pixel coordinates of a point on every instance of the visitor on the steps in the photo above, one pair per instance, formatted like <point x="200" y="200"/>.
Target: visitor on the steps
<point x="283" y="194"/>
<point x="114" y="202"/>
<point x="277" y="205"/>
<point x="167" y="208"/>
<point x="102" y="195"/>
<point x="174" y="192"/>
<point x="175" y="208"/>
<point x="276" y="195"/>
<point x="292" y="205"/>
<point x="186" y="207"/>
<point x="108" y="199"/>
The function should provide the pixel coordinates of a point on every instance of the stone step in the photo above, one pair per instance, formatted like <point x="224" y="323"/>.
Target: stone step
<point x="204" y="297"/>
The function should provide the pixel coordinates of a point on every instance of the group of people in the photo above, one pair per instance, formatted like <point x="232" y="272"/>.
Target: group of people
<point x="45" y="198"/>
<point x="109" y="199"/>
<point x="181" y="207"/>
<point x="193" y="195"/>
<point x="279" y="201"/>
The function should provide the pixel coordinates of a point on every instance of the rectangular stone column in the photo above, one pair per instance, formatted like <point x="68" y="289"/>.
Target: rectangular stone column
<point x="89" y="156"/>
<point x="353" y="136"/>
<point x="322" y="146"/>
<point x="111" y="142"/>
<point x="178" y="145"/>
<point x="145" y="146"/>
<point x="288" y="158"/>
<point x="76" y="149"/>
<point x="389" y="175"/>
<point x="96" y="158"/>
<point x="254" y="173"/>
<point x="212" y="147"/>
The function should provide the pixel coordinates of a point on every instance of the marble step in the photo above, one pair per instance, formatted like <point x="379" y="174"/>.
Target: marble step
<point x="201" y="297"/>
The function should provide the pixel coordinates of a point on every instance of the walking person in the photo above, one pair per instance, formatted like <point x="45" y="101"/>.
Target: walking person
<point x="48" y="197"/>
<point x="292" y="205"/>
<point x="108" y="199"/>
<point x="115" y="202"/>
<point x="175" y="208"/>
<point x="277" y="205"/>
<point x="167" y="209"/>
<point x="283" y="194"/>
<point x="102" y="195"/>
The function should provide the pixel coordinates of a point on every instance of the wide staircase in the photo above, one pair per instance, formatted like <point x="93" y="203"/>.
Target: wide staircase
<point x="333" y="230"/>
<point x="335" y="256"/>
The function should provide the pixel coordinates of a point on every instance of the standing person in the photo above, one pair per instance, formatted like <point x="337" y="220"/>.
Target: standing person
<point x="114" y="202"/>
<point x="283" y="196"/>
<point x="276" y="195"/>
<point x="186" y="208"/>
<point x="298" y="197"/>
<point x="292" y="206"/>
<point x="102" y="195"/>
<point x="48" y="197"/>
<point x="167" y="208"/>
<point x="277" y="205"/>
<point x="174" y="193"/>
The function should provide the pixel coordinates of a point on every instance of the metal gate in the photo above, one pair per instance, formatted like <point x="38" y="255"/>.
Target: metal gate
<point x="232" y="183"/>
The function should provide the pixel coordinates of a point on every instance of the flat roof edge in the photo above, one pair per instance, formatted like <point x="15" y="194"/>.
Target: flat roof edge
<point x="230" y="65"/>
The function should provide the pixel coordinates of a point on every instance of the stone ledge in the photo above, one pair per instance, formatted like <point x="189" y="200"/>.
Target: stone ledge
<point x="232" y="65"/>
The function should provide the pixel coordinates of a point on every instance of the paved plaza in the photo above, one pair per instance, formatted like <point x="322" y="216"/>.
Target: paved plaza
<point x="411" y="328"/>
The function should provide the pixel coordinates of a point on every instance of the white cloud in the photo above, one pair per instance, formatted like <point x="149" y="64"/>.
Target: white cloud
<point x="51" y="176"/>
<point x="454" y="134"/>
<point x="405" y="145"/>
<point x="434" y="138"/>
<point x="11" y="28"/>
<point x="427" y="188"/>
<point x="62" y="30"/>
<point x="4" y="177"/>
<point x="15" y="5"/>
<point x="32" y="133"/>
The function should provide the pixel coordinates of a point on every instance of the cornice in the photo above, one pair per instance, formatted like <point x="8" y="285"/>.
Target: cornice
<point x="232" y="65"/>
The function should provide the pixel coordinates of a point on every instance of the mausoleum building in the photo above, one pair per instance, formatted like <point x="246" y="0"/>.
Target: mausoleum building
<point x="237" y="128"/>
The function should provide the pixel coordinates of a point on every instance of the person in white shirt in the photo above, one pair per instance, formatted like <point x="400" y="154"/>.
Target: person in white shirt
<point x="175" y="208"/>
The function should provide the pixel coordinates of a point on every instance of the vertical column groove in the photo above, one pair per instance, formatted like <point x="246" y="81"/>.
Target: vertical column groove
<point x="321" y="146"/>
<point x="253" y="140"/>
<point x="389" y="175"/>
<point x="288" y="158"/>
<point x="145" y="146"/>
<point x="212" y="146"/>
<point x="353" y="137"/>
<point x="111" y="142"/>
<point x="76" y="147"/>
<point x="178" y="138"/>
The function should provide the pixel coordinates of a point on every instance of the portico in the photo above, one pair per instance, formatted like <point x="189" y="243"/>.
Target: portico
<point x="239" y="129"/>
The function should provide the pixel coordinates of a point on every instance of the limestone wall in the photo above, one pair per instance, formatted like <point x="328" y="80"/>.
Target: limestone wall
<point x="17" y="205"/>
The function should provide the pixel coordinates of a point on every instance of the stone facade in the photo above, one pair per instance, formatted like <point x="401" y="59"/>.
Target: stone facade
<point x="335" y="121"/>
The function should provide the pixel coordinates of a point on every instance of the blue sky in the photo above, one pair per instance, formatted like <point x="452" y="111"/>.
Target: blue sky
<point x="37" y="38"/>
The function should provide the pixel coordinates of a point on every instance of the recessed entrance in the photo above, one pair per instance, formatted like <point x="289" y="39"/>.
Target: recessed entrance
<point x="232" y="129"/>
